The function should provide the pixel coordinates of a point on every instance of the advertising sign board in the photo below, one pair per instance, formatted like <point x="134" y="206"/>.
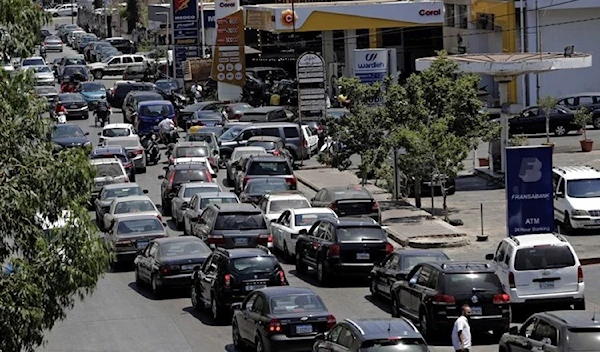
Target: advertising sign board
<point x="310" y="70"/>
<point x="371" y="65"/>
<point x="185" y="32"/>
<point x="529" y="190"/>
<point x="229" y="62"/>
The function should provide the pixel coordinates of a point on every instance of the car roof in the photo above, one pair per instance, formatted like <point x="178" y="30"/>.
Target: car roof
<point x="113" y="149"/>
<point x="117" y="125"/>
<point x="573" y="318"/>
<point x="250" y="149"/>
<point x="384" y="328"/>
<point x="419" y="252"/>
<point x="538" y="239"/>
<point x="163" y="240"/>
<point x="118" y="139"/>
<point x="274" y="291"/>
<point x="264" y="109"/>
<point x="155" y="102"/>
<point x="315" y="210"/>
<point x="268" y="157"/>
<point x="121" y="185"/>
<point x="200" y="184"/>
<point x="234" y="207"/>
<point x="284" y="195"/>
<point x="184" y="166"/>
<point x="265" y="139"/>
<point x="354" y="221"/>
<point x="125" y="217"/>
<point x="462" y="266"/>
<point x="191" y="144"/>
<point x="105" y="161"/>
<point x="577" y="172"/>
<point x="130" y="198"/>
<point x="60" y="95"/>
<point x="265" y="179"/>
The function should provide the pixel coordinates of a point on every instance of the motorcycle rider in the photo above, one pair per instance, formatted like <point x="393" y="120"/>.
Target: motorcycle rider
<point x="59" y="108"/>
<point x="43" y="51"/>
<point x="166" y="127"/>
<point x="102" y="110"/>
<point x="197" y="92"/>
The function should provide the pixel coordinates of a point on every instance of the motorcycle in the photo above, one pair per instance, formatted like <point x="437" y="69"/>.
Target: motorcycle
<point x="149" y="142"/>
<point x="103" y="119"/>
<point x="61" y="118"/>
<point x="43" y="52"/>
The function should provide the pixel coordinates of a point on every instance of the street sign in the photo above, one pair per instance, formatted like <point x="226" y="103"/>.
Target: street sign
<point x="529" y="190"/>
<point x="310" y="69"/>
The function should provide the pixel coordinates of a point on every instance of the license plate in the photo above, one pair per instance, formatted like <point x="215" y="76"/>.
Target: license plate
<point x="304" y="329"/>
<point x="597" y="221"/>
<point x="254" y="287"/>
<point x="476" y="311"/>
<point x="544" y="285"/>
<point x="363" y="256"/>
<point x="188" y="267"/>
<point x="142" y="244"/>
<point x="73" y="107"/>
<point x="240" y="241"/>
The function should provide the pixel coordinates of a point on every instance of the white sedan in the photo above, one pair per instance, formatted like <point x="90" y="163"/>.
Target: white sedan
<point x="286" y="229"/>
<point x="126" y="206"/>
<point x="116" y="130"/>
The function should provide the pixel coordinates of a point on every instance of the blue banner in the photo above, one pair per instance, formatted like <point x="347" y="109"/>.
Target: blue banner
<point x="529" y="191"/>
<point x="185" y="32"/>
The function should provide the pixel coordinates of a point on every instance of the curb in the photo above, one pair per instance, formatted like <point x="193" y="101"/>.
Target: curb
<point x="308" y="184"/>
<point x="444" y="241"/>
<point x="589" y="261"/>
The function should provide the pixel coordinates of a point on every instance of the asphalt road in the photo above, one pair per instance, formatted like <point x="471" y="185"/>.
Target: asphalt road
<point x="119" y="316"/>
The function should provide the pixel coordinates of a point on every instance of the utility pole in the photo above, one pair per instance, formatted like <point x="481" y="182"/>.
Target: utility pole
<point x="539" y="48"/>
<point x="72" y="11"/>
<point x="302" y="148"/>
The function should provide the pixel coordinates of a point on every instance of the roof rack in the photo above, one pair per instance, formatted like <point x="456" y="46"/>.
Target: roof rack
<point x="353" y="323"/>
<point x="565" y="169"/>
<point x="465" y="265"/>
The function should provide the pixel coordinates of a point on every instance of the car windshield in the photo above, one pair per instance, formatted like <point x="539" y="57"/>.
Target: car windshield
<point x="74" y="61"/>
<point x="410" y="262"/>
<point x="157" y="110"/>
<point x="92" y="87"/>
<point x="70" y="70"/>
<point x="191" y="175"/>
<point x="106" y="170"/>
<point x="41" y="69"/>
<point x="205" y="202"/>
<point x="544" y="257"/>
<point x="277" y="206"/>
<point x="238" y="154"/>
<point x="584" y="188"/>
<point x="240" y="221"/>
<point x="200" y="137"/>
<point x="71" y="98"/>
<point x="116" y="132"/>
<point x="360" y="233"/>
<point x="139" y="226"/>
<point x="269" y="168"/>
<point x="583" y="339"/>
<point x="310" y="219"/>
<point x="167" y="85"/>
<point x="122" y="192"/>
<point x="251" y="265"/>
<point x="180" y="248"/>
<point x="394" y="345"/>
<point x="261" y="187"/>
<point x="352" y="194"/>
<point x="190" y="191"/>
<point x="464" y="283"/>
<point x="134" y="206"/>
<point x="184" y="152"/>
<point x="231" y="133"/>
<point x="62" y="131"/>
<point x="297" y="303"/>
<point x="265" y="144"/>
<point x="125" y="143"/>
<point x="33" y="62"/>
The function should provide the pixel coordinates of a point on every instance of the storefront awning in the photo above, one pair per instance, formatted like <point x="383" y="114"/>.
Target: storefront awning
<point x="341" y="15"/>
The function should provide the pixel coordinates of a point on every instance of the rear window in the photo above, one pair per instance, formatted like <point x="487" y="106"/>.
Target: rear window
<point x="281" y="205"/>
<point x="544" y="257"/>
<point x="186" y="152"/>
<point x="361" y="233"/>
<point x="583" y="339"/>
<point x="266" y="145"/>
<point x="139" y="226"/>
<point x="175" y="249"/>
<point x="266" y="187"/>
<point x="269" y="168"/>
<point x="190" y="175"/>
<point x="200" y="137"/>
<point x="123" y="192"/>
<point x="116" y="132"/>
<point x="464" y="283"/>
<point x="297" y="303"/>
<point x="352" y="194"/>
<point x="240" y="221"/>
<point x="253" y="265"/>
<point x="205" y="202"/>
<point x="134" y="206"/>
<point x="391" y="345"/>
<point x="310" y="219"/>
<point x="105" y="170"/>
<point x="411" y="261"/>
<point x="190" y="191"/>
<point x="157" y="110"/>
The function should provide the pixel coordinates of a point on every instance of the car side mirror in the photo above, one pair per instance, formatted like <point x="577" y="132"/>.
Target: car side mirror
<point x="145" y="191"/>
<point x="412" y="282"/>
<point x="320" y="337"/>
<point x="400" y="276"/>
<point x="215" y="152"/>
<point x="303" y="232"/>
<point x="86" y="134"/>
<point x="184" y="205"/>
<point x="274" y="220"/>
<point x="560" y="194"/>
<point x="161" y="177"/>
<point x="236" y="306"/>
<point x="99" y="133"/>
<point x="489" y="257"/>
<point x="514" y="330"/>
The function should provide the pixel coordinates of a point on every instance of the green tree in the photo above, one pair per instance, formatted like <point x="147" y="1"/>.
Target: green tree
<point x="583" y="118"/>
<point x="132" y="13"/>
<point x="547" y="104"/>
<point x="50" y="268"/>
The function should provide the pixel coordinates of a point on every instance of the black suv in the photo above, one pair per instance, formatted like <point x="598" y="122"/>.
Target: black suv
<point x="260" y="166"/>
<point x="568" y="330"/>
<point x="121" y="88"/>
<point x="346" y="246"/>
<point x="175" y="176"/>
<point x="232" y="225"/>
<point x="433" y="294"/>
<point x="229" y="275"/>
<point x="378" y="334"/>
<point x="131" y="101"/>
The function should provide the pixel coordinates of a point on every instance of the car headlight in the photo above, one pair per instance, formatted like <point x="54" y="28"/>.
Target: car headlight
<point x="580" y="213"/>
<point x="87" y="144"/>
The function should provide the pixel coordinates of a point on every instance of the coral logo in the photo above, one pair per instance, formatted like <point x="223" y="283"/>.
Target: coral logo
<point x="371" y="56"/>
<point x="430" y="12"/>
<point x="227" y="3"/>
<point x="288" y="18"/>
<point x="181" y="5"/>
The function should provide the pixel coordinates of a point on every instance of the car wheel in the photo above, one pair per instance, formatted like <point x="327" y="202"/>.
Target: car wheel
<point x="395" y="307"/>
<point x="235" y="336"/>
<point x="322" y="274"/>
<point x="178" y="224"/>
<point x="301" y="267"/>
<point x="286" y="253"/>
<point x="580" y="305"/>
<point x="560" y="130"/>
<point x="215" y="310"/>
<point x="196" y="303"/>
<point x="138" y="279"/>
<point x="156" y="289"/>
<point x="55" y="15"/>
<point x="260" y="345"/>
<point x="98" y="74"/>
<point x="142" y="170"/>
<point x="166" y="208"/>
<point x="596" y="122"/>
<point x="373" y="288"/>
<point x="567" y="227"/>
<point x="424" y="325"/>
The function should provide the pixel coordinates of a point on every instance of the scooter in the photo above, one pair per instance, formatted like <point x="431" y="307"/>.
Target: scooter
<point x="103" y="119"/>
<point x="151" y="146"/>
<point x="61" y="118"/>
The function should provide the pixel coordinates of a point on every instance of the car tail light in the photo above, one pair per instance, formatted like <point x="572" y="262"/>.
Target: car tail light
<point x="330" y="321"/>
<point x="334" y="250"/>
<point x="138" y="152"/>
<point x="215" y="239"/>
<point x="270" y="239"/>
<point x="274" y="326"/>
<point x="159" y="217"/>
<point x="170" y="181"/>
<point x="211" y="159"/>
<point x="123" y="243"/>
<point x="276" y="152"/>
<point x="579" y="274"/>
<point x="292" y="181"/>
<point x="282" y="279"/>
<point x="208" y="176"/>
<point x="333" y="206"/>
<point x="171" y="159"/>
<point x="246" y="180"/>
<point x="227" y="280"/>
<point x="320" y="129"/>
<point x="305" y="143"/>
<point x="375" y="206"/>
<point x="443" y="300"/>
<point x="169" y="269"/>
<point x="511" y="279"/>
<point x="501" y="298"/>
<point x="264" y="238"/>
<point x="389" y="248"/>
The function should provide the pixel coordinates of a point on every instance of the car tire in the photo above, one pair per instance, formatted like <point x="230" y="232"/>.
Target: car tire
<point x="55" y="15"/>
<point x="235" y="336"/>
<point x="301" y="267"/>
<point x="197" y="304"/>
<point x="424" y="325"/>
<point x="579" y="305"/>
<point x="395" y="307"/>
<point x="215" y="310"/>
<point x="260" y="345"/>
<point x="567" y="227"/>
<point x="560" y="130"/>
<point x="98" y="74"/>
<point x="373" y="289"/>
<point x="138" y="279"/>
<point x="143" y="170"/>
<point x="166" y="208"/>
<point x="287" y="256"/>
<point x="596" y="122"/>
<point x="156" y="290"/>
<point x="322" y="274"/>
<point x="178" y="224"/>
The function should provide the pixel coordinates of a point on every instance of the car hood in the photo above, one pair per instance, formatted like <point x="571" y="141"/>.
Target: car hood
<point x="584" y="203"/>
<point x="140" y="213"/>
<point x="44" y="75"/>
<point x="70" y="141"/>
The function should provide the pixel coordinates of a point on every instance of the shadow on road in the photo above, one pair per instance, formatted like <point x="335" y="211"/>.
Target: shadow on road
<point x="380" y="303"/>
<point x="168" y="293"/>
<point x="204" y="317"/>
<point x="335" y="282"/>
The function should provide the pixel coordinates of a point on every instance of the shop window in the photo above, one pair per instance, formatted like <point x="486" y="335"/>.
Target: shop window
<point x="463" y="16"/>
<point x="450" y="20"/>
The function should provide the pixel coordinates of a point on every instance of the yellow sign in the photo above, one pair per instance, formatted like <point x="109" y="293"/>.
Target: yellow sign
<point x="262" y="20"/>
<point x="229" y="61"/>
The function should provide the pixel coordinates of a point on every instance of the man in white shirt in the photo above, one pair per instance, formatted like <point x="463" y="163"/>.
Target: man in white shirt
<point x="461" y="333"/>
<point x="165" y="127"/>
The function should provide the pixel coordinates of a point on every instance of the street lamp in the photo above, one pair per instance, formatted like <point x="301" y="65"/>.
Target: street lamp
<point x="167" y="42"/>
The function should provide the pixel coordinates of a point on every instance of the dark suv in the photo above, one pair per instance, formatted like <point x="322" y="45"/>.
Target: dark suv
<point x="131" y="101"/>
<point x="569" y="330"/>
<point x="346" y="246"/>
<point x="377" y="334"/>
<point x="175" y="176"/>
<point x="261" y="166"/>
<point x="433" y="294"/>
<point x="120" y="153"/>
<point x="121" y="88"/>
<point x="229" y="275"/>
<point x="232" y="226"/>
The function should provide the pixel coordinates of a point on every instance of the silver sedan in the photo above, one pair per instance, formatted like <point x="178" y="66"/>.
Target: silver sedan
<point x="185" y="193"/>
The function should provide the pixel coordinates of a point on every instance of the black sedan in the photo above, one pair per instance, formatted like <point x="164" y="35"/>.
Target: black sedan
<point x="74" y="103"/>
<point x="169" y="85"/>
<point x="169" y="262"/>
<point x="397" y="265"/>
<point x="69" y="136"/>
<point x="533" y="121"/>
<point x="187" y="112"/>
<point x="258" y="187"/>
<point x="280" y="319"/>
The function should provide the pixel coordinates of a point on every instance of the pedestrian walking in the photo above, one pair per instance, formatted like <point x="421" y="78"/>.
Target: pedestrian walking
<point x="461" y="333"/>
